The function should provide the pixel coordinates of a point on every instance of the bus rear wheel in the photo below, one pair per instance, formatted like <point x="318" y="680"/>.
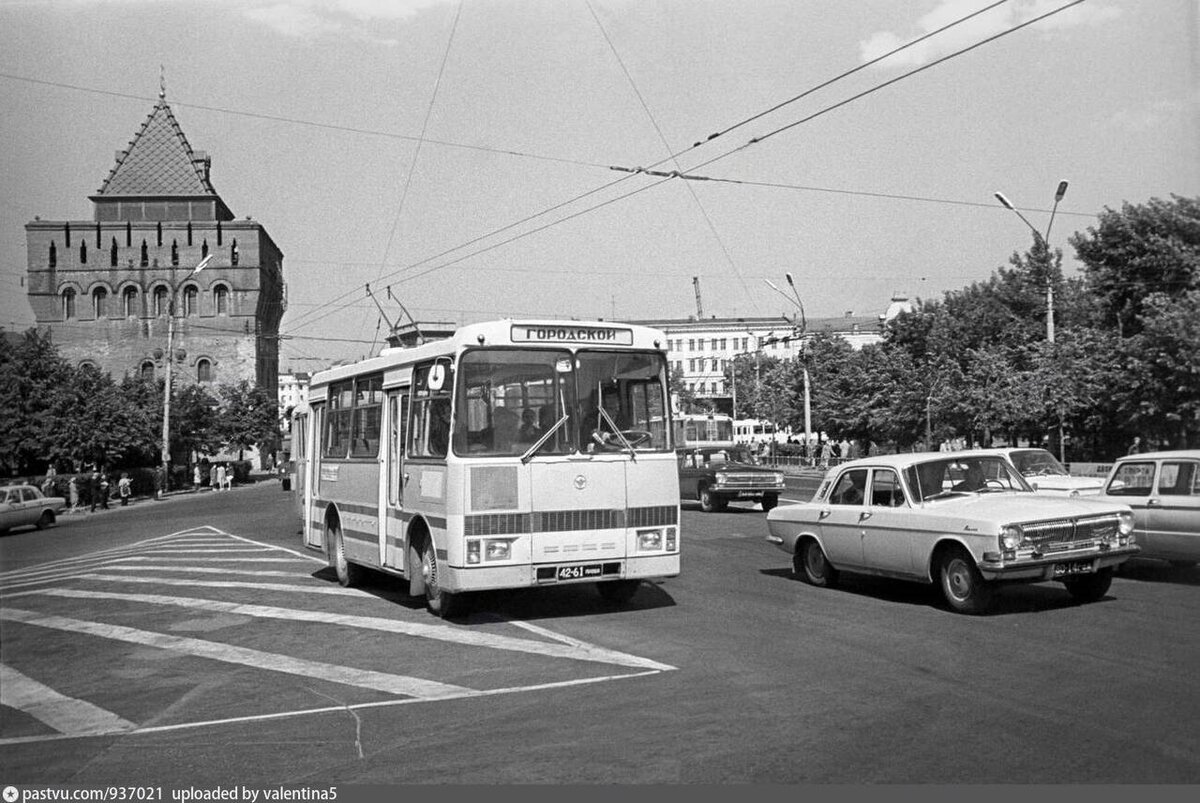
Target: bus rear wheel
<point x="348" y="574"/>
<point x="439" y="601"/>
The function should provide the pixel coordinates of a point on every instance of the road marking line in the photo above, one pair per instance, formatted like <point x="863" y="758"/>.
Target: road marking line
<point x="67" y="715"/>
<point x="244" y="656"/>
<point x="328" y="710"/>
<point x="575" y="650"/>
<point x="316" y="588"/>
<point x="204" y="570"/>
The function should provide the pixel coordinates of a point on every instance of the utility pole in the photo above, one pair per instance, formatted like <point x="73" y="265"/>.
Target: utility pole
<point x="170" y="359"/>
<point x="699" y="303"/>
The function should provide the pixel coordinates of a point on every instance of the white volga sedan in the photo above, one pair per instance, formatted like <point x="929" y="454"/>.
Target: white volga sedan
<point x="966" y="521"/>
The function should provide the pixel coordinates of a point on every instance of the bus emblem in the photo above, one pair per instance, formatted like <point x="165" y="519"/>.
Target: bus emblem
<point x="580" y="482"/>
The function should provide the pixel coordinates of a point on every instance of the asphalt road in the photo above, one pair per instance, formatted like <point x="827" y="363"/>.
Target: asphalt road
<point x="194" y="641"/>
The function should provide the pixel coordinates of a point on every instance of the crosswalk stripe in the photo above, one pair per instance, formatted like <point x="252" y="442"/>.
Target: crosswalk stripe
<point x="244" y="656"/>
<point x="575" y="650"/>
<point x="66" y="715"/>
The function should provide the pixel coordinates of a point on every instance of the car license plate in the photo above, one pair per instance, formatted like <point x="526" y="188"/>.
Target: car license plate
<point x="1074" y="567"/>
<point x="578" y="572"/>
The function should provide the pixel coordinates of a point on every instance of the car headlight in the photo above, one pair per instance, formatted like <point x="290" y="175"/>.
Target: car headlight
<point x="1125" y="522"/>
<point x="1011" y="536"/>
<point x="777" y="478"/>
<point x="721" y="478"/>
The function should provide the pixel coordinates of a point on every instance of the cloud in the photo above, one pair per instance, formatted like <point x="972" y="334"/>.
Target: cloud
<point x="986" y="24"/>
<point x="313" y="18"/>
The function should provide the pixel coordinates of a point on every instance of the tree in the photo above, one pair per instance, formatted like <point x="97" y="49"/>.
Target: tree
<point x="249" y="416"/>
<point x="96" y="422"/>
<point x="32" y="375"/>
<point x="194" y="421"/>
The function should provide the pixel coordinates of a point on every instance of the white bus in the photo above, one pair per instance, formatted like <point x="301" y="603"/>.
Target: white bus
<point x="512" y="454"/>
<point x="703" y="429"/>
<point x="753" y="431"/>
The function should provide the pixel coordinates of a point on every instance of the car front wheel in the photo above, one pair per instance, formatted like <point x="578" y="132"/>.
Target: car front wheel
<point x="963" y="586"/>
<point x="1090" y="588"/>
<point x="769" y="501"/>
<point x="710" y="502"/>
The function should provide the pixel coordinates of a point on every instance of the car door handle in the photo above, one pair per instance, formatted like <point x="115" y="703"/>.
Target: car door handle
<point x="1154" y="503"/>
<point x="866" y="514"/>
<point x="824" y="514"/>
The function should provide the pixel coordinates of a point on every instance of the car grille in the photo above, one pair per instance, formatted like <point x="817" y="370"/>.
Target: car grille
<point x="1060" y="534"/>
<point x="747" y="480"/>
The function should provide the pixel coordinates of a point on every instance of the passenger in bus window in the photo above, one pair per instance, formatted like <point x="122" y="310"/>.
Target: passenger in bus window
<point x="529" y="431"/>
<point x="505" y="426"/>
<point x="439" y="427"/>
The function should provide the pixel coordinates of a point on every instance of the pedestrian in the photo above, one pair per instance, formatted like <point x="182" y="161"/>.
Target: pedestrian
<point x="73" y="493"/>
<point x="103" y="491"/>
<point x="826" y="453"/>
<point x="219" y="481"/>
<point x="229" y="478"/>
<point x="48" y="483"/>
<point x="1136" y="446"/>
<point x="124" y="489"/>
<point x="196" y="478"/>
<point x="93" y="490"/>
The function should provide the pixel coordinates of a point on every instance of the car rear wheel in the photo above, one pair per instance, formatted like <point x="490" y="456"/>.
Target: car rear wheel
<point x="710" y="502"/>
<point x="45" y="520"/>
<point x="810" y="564"/>
<point x="963" y="586"/>
<point x="1090" y="588"/>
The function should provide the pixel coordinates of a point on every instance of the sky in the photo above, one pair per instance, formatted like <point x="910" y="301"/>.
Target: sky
<point x="473" y="159"/>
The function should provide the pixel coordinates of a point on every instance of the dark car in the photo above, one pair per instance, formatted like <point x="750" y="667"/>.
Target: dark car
<point x="718" y="475"/>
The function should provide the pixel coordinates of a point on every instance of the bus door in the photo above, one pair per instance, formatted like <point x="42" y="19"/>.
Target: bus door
<point x="314" y="531"/>
<point x="299" y="463"/>
<point x="393" y="544"/>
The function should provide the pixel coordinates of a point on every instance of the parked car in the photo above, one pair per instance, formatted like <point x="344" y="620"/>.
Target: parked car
<point x="1044" y="473"/>
<point x="24" y="504"/>
<point x="966" y="521"/>
<point x="718" y="475"/>
<point x="1163" y="489"/>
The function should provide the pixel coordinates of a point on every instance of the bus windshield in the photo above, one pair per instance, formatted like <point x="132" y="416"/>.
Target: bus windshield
<point x="510" y="401"/>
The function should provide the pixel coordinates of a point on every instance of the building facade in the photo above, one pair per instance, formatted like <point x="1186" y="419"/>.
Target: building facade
<point x="702" y="348"/>
<point x="105" y="287"/>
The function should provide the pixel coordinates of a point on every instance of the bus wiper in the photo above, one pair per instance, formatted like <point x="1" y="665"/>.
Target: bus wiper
<point x="532" y="450"/>
<point x="617" y="431"/>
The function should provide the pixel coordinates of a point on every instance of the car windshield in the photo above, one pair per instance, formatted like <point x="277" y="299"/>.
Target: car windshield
<point x="954" y="476"/>
<point x="720" y="457"/>
<point x="1036" y="462"/>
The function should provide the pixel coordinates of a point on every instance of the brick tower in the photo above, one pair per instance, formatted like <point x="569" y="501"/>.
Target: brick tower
<point x="105" y="287"/>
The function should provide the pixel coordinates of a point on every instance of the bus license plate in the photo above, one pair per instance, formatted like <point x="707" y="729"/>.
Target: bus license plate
<point x="1074" y="567"/>
<point x="578" y="572"/>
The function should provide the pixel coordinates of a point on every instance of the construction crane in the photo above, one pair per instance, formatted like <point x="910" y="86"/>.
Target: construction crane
<point x="699" y="303"/>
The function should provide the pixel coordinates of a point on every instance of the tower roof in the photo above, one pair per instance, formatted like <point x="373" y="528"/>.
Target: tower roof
<point x="159" y="162"/>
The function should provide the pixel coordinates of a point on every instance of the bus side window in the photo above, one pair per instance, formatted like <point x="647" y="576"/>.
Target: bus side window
<point x="430" y="436"/>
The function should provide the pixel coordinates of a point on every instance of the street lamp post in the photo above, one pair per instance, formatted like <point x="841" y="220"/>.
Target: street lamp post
<point x="170" y="360"/>
<point x="1045" y="241"/>
<point x="798" y="331"/>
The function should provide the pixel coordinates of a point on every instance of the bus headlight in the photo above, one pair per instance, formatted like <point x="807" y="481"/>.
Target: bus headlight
<point x="649" y="540"/>
<point x="671" y="539"/>
<point x="1010" y="537"/>
<point x="498" y="548"/>
<point x="473" y="551"/>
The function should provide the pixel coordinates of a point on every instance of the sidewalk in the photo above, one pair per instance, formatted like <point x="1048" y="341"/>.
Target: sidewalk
<point x="114" y="503"/>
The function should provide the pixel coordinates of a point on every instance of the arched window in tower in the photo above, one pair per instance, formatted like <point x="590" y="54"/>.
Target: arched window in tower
<point x="233" y="253"/>
<point x="221" y="299"/>
<point x="82" y="252"/>
<point x="129" y="302"/>
<point x="191" y="301"/>
<point x="145" y="254"/>
<point x="161" y="303"/>
<point x="203" y="371"/>
<point x="204" y="248"/>
<point x="112" y="253"/>
<point x="53" y="254"/>
<point x="147" y="370"/>
<point x="68" y="303"/>
<point x="174" y="252"/>
<point x="100" y="303"/>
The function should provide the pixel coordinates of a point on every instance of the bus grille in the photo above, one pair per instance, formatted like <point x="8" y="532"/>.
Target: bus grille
<point x="544" y="521"/>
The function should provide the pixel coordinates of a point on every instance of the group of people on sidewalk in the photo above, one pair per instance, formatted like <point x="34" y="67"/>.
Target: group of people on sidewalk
<point x="220" y="478"/>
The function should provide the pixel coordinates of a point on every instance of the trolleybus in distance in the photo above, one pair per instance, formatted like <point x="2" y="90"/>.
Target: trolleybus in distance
<point x="703" y="429"/>
<point x="511" y="454"/>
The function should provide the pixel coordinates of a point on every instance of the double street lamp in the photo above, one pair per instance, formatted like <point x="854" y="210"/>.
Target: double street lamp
<point x="1044" y="239"/>
<point x="170" y="359"/>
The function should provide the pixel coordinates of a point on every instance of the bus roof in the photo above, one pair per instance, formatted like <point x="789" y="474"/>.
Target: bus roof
<point x="536" y="333"/>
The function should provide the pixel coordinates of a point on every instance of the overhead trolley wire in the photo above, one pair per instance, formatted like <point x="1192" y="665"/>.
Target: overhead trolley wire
<point x="300" y="321"/>
<point x="752" y="141"/>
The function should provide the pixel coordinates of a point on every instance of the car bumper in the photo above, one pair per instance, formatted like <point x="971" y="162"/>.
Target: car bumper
<point x="1057" y="567"/>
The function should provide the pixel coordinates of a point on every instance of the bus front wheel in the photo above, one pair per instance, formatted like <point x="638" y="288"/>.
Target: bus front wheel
<point x="439" y="601"/>
<point x="348" y="574"/>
